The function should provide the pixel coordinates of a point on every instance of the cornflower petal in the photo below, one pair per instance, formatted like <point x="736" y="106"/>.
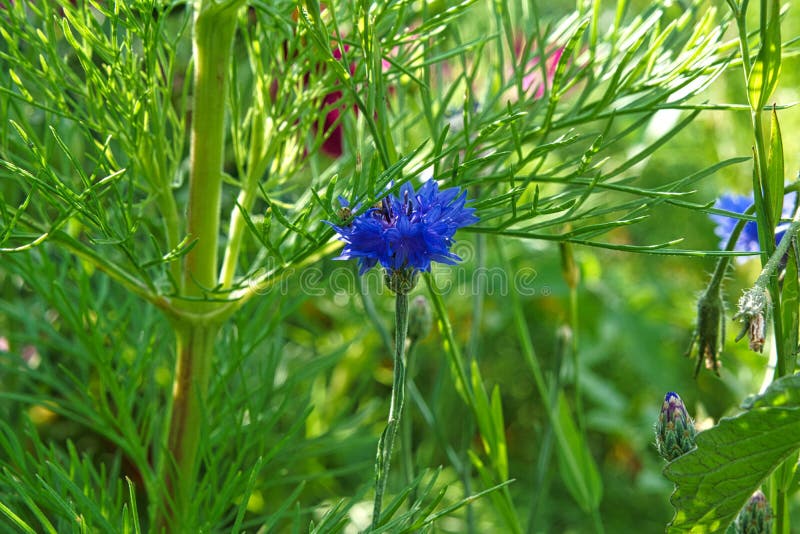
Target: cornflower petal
<point x="748" y="240"/>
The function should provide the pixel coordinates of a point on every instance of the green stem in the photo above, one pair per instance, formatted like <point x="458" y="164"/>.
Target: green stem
<point x="770" y="256"/>
<point x="169" y="212"/>
<point x="781" y="513"/>
<point x="235" y="234"/>
<point x="386" y="441"/>
<point x="722" y="265"/>
<point x="407" y="435"/>
<point x="214" y="29"/>
<point x="768" y="280"/>
<point x="256" y="166"/>
<point x="529" y="354"/>
<point x="542" y="482"/>
<point x="472" y="356"/>
<point x="769" y="271"/>
<point x="195" y="350"/>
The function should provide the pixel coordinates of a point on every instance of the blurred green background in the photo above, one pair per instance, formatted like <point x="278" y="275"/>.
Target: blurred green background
<point x="635" y="313"/>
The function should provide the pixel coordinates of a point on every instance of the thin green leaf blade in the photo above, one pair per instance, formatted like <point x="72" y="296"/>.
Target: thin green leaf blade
<point x="137" y="529"/>
<point x="501" y="449"/>
<point x="583" y="482"/>
<point x="732" y="459"/>
<point x="764" y="72"/>
<point x="775" y="171"/>
<point x="15" y="519"/>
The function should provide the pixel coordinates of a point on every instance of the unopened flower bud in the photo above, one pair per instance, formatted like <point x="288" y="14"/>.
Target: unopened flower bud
<point x="674" y="429"/>
<point x="402" y="281"/>
<point x="710" y="332"/>
<point x="420" y="319"/>
<point x="753" y="307"/>
<point x="755" y="517"/>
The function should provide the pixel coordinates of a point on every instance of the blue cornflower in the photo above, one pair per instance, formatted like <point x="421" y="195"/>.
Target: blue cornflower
<point x="748" y="240"/>
<point x="407" y="231"/>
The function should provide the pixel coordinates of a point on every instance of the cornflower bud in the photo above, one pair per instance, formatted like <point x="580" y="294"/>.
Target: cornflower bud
<point x="755" y="517"/>
<point x="401" y="281"/>
<point x="753" y="307"/>
<point x="710" y="331"/>
<point x="674" y="429"/>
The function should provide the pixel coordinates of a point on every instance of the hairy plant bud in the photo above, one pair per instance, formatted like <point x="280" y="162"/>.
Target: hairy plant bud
<point x="753" y="308"/>
<point x="674" y="429"/>
<point x="755" y="517"/>
<point x="710" y="332"/>
<point x="401" y="281"/>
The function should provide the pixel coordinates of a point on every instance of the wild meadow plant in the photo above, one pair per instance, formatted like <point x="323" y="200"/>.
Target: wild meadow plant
<point x="180" y="354"/>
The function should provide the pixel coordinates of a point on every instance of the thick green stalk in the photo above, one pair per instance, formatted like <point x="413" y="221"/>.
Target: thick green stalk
<point x="386" y="441"/>
<point x="214" y="29"/>
<point x="195" y="351"/>
<point x="766" y="234"/>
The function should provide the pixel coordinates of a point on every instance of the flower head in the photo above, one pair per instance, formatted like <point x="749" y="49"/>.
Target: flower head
<point x="674" y="429"/>
<point x="748" y="240"/>
<point x="709" y="333"/>
<point x="753" y="310"/>
<point x="755" y="517"/>
<point x="333" y="131"/>
<point x="407" y="231"/>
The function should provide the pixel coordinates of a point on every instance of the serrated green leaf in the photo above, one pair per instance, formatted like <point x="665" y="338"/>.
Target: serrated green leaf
<point x="774" y="183"/>
<point x="732" y="459"/>
<point x="764" y="73"/>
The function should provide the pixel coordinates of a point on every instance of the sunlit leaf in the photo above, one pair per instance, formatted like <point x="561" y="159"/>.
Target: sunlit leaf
<point x="579" y="471"/>
<point x="764" y="72"/>
<point x="775" y="171"/>
<point x="732" y="459"/>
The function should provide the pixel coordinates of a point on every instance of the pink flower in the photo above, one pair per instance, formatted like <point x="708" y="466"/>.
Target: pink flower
<point x="533" y="81"/>
<point x="333" y="133"/>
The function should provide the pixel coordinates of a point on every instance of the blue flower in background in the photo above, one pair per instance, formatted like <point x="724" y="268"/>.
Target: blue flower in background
<point x="408" y="231"/>
<point x="748" y="240"/>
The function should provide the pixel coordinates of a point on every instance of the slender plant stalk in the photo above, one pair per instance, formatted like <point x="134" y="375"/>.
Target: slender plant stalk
<point x="256" y="166"/>
<point x="766" y="236"/>
<point x="386" y="441"/>
<point x="473" y="356"/>
<point x="407" y="435"/>
<point x="541" y="485"/>
<point x="770" y="269"/>
<point x="237" y="226"/>
<point x="169" y="211"/>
